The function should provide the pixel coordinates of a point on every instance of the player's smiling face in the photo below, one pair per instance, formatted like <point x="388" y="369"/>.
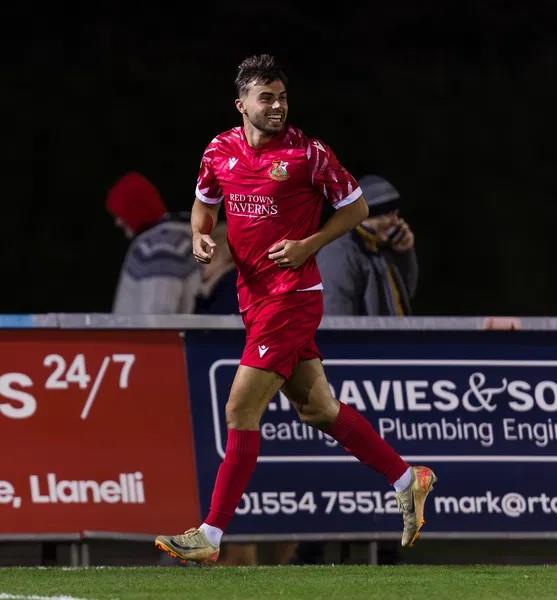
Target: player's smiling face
<point x="265" y="106"/>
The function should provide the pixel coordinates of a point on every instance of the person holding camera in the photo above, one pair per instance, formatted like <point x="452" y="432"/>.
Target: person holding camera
<point x="373" y="269"/>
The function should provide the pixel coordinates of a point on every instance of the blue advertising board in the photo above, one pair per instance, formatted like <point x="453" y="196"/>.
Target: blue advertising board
<point x="479" y="407"/>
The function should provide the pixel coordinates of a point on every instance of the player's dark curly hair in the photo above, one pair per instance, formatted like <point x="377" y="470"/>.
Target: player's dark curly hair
<point x="262" y="68"/>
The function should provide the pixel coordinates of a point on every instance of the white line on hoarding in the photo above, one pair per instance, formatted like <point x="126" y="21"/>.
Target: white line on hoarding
<point x="214" y="398"/>
<point x="434" y="458"/>
<point x="95" y="388"/>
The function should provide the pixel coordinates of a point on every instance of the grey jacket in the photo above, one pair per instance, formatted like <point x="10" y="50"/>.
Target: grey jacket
<point x="159" y="274"/>
<point x="355" y="279"/>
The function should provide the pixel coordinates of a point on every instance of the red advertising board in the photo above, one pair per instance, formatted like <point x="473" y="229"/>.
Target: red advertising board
<point x="95" y="433"/>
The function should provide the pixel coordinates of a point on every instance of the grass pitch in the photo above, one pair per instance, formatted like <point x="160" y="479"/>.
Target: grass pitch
<point x="311" y="583"/>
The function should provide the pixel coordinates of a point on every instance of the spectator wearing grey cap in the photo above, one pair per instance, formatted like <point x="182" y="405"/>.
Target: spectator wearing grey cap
<point x="373" y="269"/>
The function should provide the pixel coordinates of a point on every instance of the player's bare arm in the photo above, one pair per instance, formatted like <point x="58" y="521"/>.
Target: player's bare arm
<point x="293" y="253"/>
<point x="203" y="219"/>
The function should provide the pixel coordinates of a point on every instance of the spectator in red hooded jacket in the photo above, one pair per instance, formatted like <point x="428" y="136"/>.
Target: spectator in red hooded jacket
<point x="159" y="274"/>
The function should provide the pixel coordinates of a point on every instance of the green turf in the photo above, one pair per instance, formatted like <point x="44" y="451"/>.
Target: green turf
<point x="313" y="583"/>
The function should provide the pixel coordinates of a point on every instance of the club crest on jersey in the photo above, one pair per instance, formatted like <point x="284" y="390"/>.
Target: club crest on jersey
<point x="278" y="171"/>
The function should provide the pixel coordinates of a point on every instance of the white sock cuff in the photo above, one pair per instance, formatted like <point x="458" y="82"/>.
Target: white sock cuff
<point x="213" y="534"/>
<point x="403" y="481"/>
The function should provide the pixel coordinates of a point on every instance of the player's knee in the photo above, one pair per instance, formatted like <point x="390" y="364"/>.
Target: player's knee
<point x="239" y="416"/>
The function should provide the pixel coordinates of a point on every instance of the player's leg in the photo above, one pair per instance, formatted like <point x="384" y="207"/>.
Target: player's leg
<point x="308" y="390"/>
<point x="251" y="391"/>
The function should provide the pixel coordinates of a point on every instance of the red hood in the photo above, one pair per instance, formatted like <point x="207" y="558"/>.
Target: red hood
<point x="136" y="201"/>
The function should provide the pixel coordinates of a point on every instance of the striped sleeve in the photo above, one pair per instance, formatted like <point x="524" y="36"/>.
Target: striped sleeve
<point x="208" y="189"/>
<point x="327" y="174"/>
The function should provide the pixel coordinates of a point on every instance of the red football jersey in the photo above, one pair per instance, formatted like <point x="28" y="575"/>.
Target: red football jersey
<point x="270" y="194"/>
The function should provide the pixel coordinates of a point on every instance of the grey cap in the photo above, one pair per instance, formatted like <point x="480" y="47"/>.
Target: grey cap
<point x="381" y="196"/>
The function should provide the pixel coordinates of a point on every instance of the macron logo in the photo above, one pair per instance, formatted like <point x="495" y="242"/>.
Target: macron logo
<point x="262" y="350"/>
<point x="232" y="163"/>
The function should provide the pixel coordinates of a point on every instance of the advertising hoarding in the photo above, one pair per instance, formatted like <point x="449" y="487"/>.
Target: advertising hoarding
<point x="95" y="432"/>
<point x="478" y="407"/>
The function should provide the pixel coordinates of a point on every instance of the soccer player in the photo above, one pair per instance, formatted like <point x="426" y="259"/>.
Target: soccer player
<point x="272" y="180"/>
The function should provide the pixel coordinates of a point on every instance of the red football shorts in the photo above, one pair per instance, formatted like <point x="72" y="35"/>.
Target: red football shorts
<point x="280" y="331"/>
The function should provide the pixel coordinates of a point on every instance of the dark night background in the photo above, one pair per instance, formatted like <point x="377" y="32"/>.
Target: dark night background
<point x="452" y="102"/>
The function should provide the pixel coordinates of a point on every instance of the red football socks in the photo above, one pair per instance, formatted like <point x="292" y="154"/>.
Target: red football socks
<point x="358" y="437"/>
<point x="235" y="471"/>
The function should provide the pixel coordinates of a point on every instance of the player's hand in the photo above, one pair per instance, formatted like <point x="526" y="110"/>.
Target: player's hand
<point x="404" y="238"/>
<point x="289" y="253"/>
<point x="203" y="248"/>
